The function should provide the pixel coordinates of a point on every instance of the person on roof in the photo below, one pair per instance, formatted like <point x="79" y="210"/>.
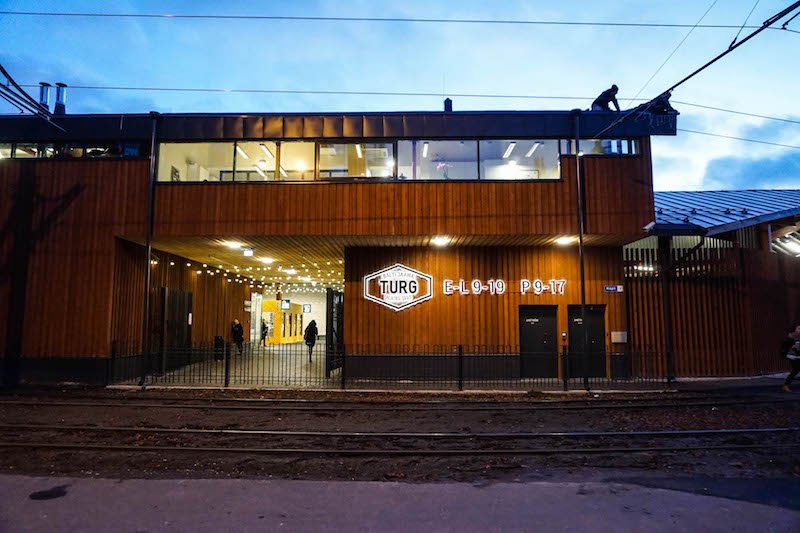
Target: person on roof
<point x="609" y="96"/>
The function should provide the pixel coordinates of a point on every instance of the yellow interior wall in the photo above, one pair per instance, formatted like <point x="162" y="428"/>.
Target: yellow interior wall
<point x="274" y="306"/>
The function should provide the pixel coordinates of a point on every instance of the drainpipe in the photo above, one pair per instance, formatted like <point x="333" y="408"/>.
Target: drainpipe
<point x="148" y="249"/>
<point x="576" y="114"/>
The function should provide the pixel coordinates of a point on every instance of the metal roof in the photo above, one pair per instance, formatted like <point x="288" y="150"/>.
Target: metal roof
<point x="424" y="124"/>
<point x="722" y="211"/>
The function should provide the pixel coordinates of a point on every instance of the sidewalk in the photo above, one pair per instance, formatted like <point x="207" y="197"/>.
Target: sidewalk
<point x="77" y="505"/>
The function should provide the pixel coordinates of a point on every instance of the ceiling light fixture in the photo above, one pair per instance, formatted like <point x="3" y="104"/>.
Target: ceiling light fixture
<point x="358" y="152"/>
<point x="533" y="149"/>
<point x="565" y="241"/>
<point x="425" y="149"/>
<point x="440" y="240"/>
<point x="241" y="152"/>
<point x="266" y="151"/>
<point x="290" y="271"/>
<point x="247" y="252"/>
<point x="266" y="260"/>
<point x="260" y="172"/>
<point x="233" y="245"/>
<point x="510" y="149"/>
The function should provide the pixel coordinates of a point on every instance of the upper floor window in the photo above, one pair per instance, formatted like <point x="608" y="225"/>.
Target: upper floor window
<point x="24" y="150"/>
<point x="602" y="146"/>
<point x="520" y="160"/>
<point x="195" y="162"/>
<point x="356" y="160"/>
<point x="437" y="160"/>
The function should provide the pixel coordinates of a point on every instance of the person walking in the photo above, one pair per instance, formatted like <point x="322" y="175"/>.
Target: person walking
<point x="310" y="336"/>
<point x="790" y="348"/>
<point x="263" y="332"/>
<point x="237" y="333"/>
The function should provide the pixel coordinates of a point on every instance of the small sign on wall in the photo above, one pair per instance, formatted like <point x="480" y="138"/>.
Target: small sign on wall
<point x="306" y="308"/>
<point x="613" y="288"/>
<point x="619" y="337"/>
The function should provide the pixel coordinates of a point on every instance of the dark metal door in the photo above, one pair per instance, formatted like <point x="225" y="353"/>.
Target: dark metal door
<point x="334" y="340"/>
<point x="538" y="341"/>
<point x="595" y="354"/>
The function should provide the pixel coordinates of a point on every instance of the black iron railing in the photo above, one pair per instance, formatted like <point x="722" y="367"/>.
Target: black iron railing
<point x="398" y="367"/>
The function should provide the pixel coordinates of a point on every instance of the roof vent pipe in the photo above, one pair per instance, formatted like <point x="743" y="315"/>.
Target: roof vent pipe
<point x="61" y="99"/>
<point x="448" y="105"/>
<point x="44" y="94"/>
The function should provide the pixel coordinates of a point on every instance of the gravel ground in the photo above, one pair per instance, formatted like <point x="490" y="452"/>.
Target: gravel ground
<point x="766" y="462"/>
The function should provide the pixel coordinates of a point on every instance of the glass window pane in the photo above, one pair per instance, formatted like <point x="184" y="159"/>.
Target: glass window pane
<point x="5" y="151"/>
<point x="360" y="160"/>
<point x="195" y="162"/>
<point x="296" y="161"/>
<point x="603" y="147"/>
<point x="520" y="160"/>
<point x="102" y="150"/>
<point x="25" y="151"/>
<point x="255" y="161"/>
<point x="438" y="160"/>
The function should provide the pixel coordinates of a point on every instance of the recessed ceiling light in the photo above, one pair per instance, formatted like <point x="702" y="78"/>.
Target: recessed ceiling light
<point x="247" y="252"/>
<point x="510" y="149"/>
<point x="233" y="245"/>
<point x="425" y="149"/>
<point x="291" y="271"/>
<point x="533" y="149"/>
<point x="440" y="240"/>
<point x="241" y="152"/>
<point x="565" y="241"/>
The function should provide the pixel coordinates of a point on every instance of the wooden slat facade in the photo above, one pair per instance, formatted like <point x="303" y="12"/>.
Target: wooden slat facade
<point x="476" y="320"/>
<point x="619" y="188"/>
<point x="78" y="208"/>
<point x="731" y="307"/>
<point x="215" y="301"/>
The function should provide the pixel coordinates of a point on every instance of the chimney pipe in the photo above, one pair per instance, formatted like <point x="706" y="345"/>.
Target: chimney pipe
<point x="61" y="99"/>
<point x="44" y="94"/>
<point x="448" y="105"/>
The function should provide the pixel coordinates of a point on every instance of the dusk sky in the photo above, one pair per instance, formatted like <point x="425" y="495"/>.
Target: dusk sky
<point x="761" y="77"/>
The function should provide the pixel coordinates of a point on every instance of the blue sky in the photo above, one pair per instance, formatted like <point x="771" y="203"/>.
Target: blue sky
<point x="761" y="77"/>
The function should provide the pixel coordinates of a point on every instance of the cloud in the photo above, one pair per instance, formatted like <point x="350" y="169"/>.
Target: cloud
<point x="780" y="172"/>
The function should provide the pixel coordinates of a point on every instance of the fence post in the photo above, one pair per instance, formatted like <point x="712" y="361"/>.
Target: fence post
<point x="227" y="365"/>
<point x="344" y="365"/>
<point x="460" y="367"/>
<point x="565" y="367"/>
<point x="111" y="364"/>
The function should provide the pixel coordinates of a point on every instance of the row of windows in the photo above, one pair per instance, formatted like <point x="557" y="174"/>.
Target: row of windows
<point x="72" y="150"/>
<point x="402" y="160"/>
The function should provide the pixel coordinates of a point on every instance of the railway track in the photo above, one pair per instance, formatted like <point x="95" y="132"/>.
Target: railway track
<point x="336" y="444"/>
<point x="241" y="404"/>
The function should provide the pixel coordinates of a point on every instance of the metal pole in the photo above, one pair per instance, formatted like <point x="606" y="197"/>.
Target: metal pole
<point x="148" y="245"/>
<point x="581" y="228"/>
<point x="664" y="247"/>
<point x="460" y="367"/>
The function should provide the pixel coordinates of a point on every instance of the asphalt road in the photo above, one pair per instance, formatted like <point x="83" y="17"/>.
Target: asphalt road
<point x="38" y="504"/>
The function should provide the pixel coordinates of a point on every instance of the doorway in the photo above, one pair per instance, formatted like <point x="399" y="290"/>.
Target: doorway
<point x="595" y="357"/>
<point x="538" y="341"/>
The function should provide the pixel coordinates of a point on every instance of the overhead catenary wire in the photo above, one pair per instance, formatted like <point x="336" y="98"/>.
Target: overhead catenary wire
<point x="674" y="50"/>
<point x="320" y="18"/>
<point x="743" y="23"/>
<point x="765" y="25"/>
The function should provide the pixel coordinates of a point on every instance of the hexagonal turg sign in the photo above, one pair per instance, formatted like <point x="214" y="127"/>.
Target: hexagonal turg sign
<point x="398" y="287"/>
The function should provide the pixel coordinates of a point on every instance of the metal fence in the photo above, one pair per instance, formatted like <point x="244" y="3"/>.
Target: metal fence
<point x="438" y="367"/>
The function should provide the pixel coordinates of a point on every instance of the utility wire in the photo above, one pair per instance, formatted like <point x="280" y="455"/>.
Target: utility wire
<point x="644" y="107"/>
<point x="739" y="138"/>
<point x="172" y="16"/>
<point x="674" y="50"/>
<point x="400" y="94"/>
<point x="743" y="23"/>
